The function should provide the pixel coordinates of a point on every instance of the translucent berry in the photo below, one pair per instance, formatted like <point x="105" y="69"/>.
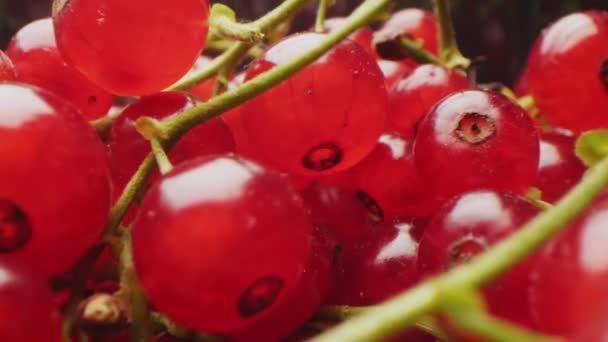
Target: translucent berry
<point x="567" y="71"/>
<point x="7" y="69"/>
<point x="559" y="168"/>
<point x="27" y="307"/>
<point x="393" y="72"/>
<point x="304" y="301"/>
<point x="235" y="235"/>
<point x="574" y="270"/>
<point x="362" y="36"/>
<point x="389" y="179"/>
<point x="54" y="182"/>
<point x="415" y="95"/>
<point x="377" y="266"/>
<point x="37" y="61"/>
<point x="132" y="47"/>
<point x="128" y="148"/>
<point x="301" y="126"/>
<point x="476" y="139"/>
<point x="468" y="225"/>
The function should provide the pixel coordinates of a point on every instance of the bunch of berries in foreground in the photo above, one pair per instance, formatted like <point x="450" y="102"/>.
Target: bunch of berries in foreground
<point x="370" y="170"/>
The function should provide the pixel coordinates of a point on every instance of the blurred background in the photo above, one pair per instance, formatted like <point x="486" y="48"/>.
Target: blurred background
<point x="499" y="30"/>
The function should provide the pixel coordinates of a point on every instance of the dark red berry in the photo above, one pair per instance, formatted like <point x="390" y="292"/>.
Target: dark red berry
<point x="37" y="61"/>
<point x="415" y="95"/>
<point x="301" y="126"/>
<point x="559" y="167"/>
<point x="134" y="47"/>
<point x="467" y="226"/>
<point x="235" y="235"/>
<point x="128" y="148"/>
<point x="474" y="140"/>
<point x="566" y="71"/>
<point x="54" y="181"/>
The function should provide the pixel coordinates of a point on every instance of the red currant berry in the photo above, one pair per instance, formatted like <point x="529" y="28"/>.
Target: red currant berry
<point x="128" y="148"/>
<point x="559" y="168"/>
<point x="235" y="235"/>
<point x="377" y="266"/>
<point x="571" y="278"/>
<point x="110" y="42"/>
<point x="7" y="69"/>
<point x="415" y="24"/>
<point x="363" y="36"/>
<point x="393" y="72"/>
<point x="413" y="96"/>
<point x="476" y="139"/>
<point x="388" y="177"/>
<point x="305" y="299"/>
<point x="301" y="126"/>
<point x="54" y="182"/>
<point x="27" y="307"/>
<point x="34" y="53"/>
<point x="467" y="226"/>
<point x="582" y="87"/>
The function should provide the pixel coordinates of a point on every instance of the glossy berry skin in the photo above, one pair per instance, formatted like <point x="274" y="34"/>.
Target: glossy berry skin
<point x="415" y="24"/>
<point x="363" y="36"/>
<point x="415" y="95"/>
<point x="204" y="90"/>
<point x="467" y="226"/>
<point x="578" y="98"/>
<point x="389" y="178"/>
<point x="54" y="182"/>
<point x="235" y="235"/>
<point x="559" y="168"/>
<point x="573" y="268"/>
<point x="393" y="72"/>
<point x="109" y="41"/>
<point x="304" y="301"/>
<point x="377" y="266"/>
<point x="476" y="139"/>
<point x="27" y="307"/>
<point x="37" y="61"/>
<point x="302" y="126"/>
<point x="128" y="148"/>
<point x="7" y="69"/>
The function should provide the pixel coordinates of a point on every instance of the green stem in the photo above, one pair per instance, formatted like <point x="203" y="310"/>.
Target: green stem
<point x="103" y="126"/>
<point x="396" y="314"/>
<point x="224" y="45"/>
<point x="269" y="21"/>
<point x="415" y="51"/>
<point x="450" y="54"/>
<point x="162" y="160"/>
<point x="321" y="15"/>
<point x="489" y="328"/>
<point x="223" y="23"/>
<point x="180" y="124"/>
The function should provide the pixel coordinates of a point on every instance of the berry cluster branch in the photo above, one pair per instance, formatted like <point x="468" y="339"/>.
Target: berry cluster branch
<point x="322" y="14"/>
<point x="450" y="54"/>
<point x="396" y="314"/>
<point x="269" y="21"/>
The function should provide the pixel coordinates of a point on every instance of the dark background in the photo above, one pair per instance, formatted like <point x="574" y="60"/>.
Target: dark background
<point x="500" y="30"/>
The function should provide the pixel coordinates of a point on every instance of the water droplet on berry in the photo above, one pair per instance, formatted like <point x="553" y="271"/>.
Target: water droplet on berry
<point x="464" y="250"/>
<point x="604" y="73"/>
<point x="15" y="229"/>
<point x="372" y="205"/>
<point x="323" y="157"/>
<point x="475" y="128"/>
<point x="259" y="296"/>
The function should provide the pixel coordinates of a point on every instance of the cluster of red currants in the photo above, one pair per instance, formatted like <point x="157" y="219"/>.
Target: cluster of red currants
<point x="346" y="184"/>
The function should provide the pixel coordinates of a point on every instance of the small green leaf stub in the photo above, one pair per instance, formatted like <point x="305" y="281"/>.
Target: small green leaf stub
<point x="592" y="146"/>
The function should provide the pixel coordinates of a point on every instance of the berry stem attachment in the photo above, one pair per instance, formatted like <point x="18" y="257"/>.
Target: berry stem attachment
<point x="414" y="50"/>
<point x="450" y="54"/>
<point x="322" y="14"/>
<point x="177" y="126"/>
<point x="164" y="164"/>
<point x="272" y="19"/>
<point x="401" y="311"/>
<point x="223" y="23"/>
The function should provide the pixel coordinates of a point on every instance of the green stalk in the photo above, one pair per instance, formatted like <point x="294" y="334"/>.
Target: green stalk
<point x="450" y="54"/>
<point x="321" y="15"/>
<point x="400" y="312"/>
